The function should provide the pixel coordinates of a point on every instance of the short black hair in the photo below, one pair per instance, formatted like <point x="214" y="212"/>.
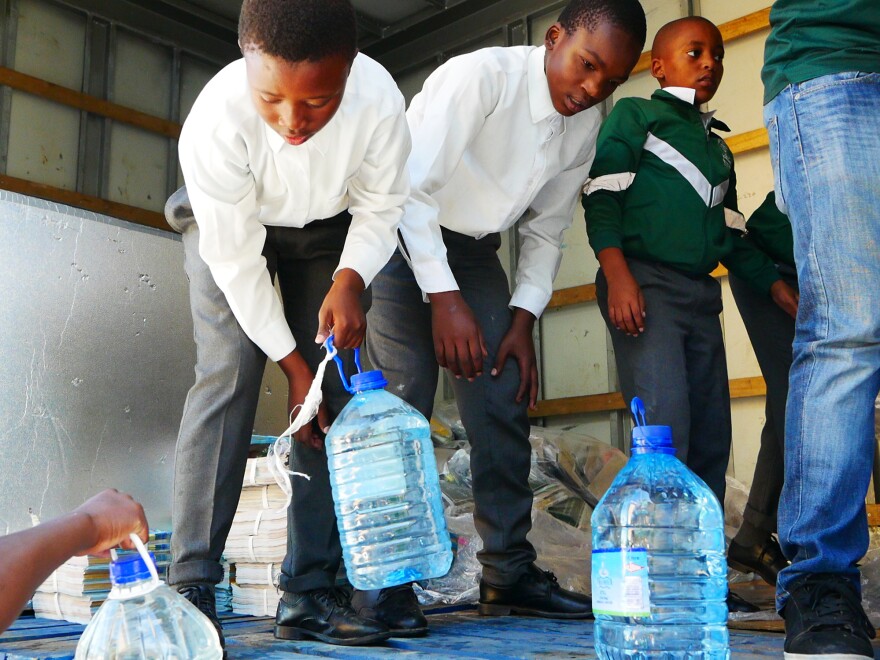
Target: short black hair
<point x="626" y="15"/>
<point x="666" y="32"/>
<point x="298" y="30"/>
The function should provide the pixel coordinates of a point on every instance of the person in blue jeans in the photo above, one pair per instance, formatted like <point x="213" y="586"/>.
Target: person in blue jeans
<point x="822" y="111"/>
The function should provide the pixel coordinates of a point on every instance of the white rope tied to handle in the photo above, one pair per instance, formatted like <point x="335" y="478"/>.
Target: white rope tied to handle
<point x="279" y="451"/>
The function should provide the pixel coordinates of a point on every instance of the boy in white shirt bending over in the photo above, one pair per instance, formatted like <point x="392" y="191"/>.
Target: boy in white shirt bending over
<point x="497" y="133"/>
<point x="294" y="161"/>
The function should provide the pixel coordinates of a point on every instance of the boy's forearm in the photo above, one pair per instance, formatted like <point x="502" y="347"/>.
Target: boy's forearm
<point x="613" y="263"/>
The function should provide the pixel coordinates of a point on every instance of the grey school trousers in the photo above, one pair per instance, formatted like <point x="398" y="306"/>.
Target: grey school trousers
<point x="677" y="366"/>
<point x="771" y="332"/>
<point x="218" y="417"/>
<point x="400" y="343"/>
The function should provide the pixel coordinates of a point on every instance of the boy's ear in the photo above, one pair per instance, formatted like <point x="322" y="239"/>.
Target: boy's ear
<point x="657" y="69"/>
<point x="554" y="32"/>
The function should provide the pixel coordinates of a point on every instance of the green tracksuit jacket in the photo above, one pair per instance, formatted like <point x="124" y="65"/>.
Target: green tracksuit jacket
<point x="663" y="189"/>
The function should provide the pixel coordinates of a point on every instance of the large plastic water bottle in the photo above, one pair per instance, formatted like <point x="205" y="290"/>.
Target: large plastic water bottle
<point x="659" y="573"/>
<point x="386" y="489"/>
<point x="143" y="619"/>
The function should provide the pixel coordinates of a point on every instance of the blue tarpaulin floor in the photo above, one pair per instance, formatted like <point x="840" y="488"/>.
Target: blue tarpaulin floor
<point x="457" y="634"/>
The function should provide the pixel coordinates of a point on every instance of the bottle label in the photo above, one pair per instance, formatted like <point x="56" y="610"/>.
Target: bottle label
<point x="620" y="582"/>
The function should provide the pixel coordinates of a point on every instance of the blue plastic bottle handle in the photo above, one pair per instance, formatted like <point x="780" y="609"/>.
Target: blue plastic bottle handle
<point x="638" y="411"/>
<point x="328" y="345"/>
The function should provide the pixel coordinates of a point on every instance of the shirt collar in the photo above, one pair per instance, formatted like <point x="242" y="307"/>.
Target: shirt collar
<point x="540" y="104"/>
<point x="688" y="95"/>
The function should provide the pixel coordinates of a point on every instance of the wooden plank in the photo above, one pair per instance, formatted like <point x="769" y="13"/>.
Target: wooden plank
<point x="584" y="293"/>
<point x="745" y="25"/>
<point x="93" y="104"/>
<point x="573" y="405"/>
<point x="96" y="204"/>
<point x="873" y="515"/>
<point x="740" y="388"/>
<point x="572" y="296"/>
<point x="740" y="144"/>
<point x="738" y="27"/>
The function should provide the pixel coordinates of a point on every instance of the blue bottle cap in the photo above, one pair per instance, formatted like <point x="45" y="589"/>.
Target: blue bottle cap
<point x="130" y="568"/>
<point x="368" y="380"/>
<point x="652" y="439"/>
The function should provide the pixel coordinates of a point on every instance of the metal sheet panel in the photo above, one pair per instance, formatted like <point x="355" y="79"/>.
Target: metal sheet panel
<point x="96" y="358"/>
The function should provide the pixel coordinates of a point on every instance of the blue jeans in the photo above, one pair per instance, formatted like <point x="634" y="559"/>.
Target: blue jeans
<point x="825" y="146"/>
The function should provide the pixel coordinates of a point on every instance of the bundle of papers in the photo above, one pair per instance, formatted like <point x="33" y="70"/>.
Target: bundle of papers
<point x="255" y="600"/>
<point x="76" y="589"/>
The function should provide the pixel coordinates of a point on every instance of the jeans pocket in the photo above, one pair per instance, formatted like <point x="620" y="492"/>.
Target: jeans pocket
<point x="773" y="137"/>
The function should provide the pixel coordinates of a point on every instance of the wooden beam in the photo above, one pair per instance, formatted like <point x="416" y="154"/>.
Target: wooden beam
<point x="93" y="104"/>
<point x="584" y="293"/>
<point x="740" y="388"/>
<point x="574" y="405"/>
<point x="105" y="207"/>
<point x="738" y="27"/>
<point x="874" y="515"/>
<point x="572" y="296"/>
<point x="749" y="141"/>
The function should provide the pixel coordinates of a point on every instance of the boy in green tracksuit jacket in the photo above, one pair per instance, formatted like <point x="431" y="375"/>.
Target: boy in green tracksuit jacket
<point x="660" y="206"/>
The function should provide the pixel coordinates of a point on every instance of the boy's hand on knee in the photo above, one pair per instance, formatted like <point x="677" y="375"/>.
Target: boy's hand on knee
<point x="342" y="314"/>
<point x="518" y="344"/>
<point x="458" y="340"/>
<point x="299" y="380"/>
<point x="786" y="297"/>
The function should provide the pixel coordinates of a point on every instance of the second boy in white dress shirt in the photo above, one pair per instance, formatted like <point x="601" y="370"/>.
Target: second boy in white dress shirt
<point x="497" y="133"/>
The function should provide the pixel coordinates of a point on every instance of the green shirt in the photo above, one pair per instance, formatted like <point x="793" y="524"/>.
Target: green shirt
<point x="770" y="231"/>
<point x="662" y="188"/>
<point x="812" y="38"/>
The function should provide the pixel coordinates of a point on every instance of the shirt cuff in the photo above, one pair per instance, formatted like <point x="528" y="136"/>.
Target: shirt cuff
<point x="434" y="276"/>
<point x="276" y="340"/>
<point x="530" y="298"/>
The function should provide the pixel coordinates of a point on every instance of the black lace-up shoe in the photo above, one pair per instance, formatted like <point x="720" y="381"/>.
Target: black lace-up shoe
<point x="202" y="596"/>
<point x="396" y="607"/>
<point x="765" y="559"/>
<point x="325" y="615"/>
<point x="536" y="593"/>
<point x="824" y="619"/>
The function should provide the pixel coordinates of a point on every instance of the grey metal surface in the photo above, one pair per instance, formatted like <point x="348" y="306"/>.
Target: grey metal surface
<point x="96" y="357"/>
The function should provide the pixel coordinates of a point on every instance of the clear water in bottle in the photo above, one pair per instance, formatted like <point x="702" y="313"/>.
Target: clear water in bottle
<point x="659" y="573"/>
<point x="386" y="489"/>
<point x="143" y="619"/>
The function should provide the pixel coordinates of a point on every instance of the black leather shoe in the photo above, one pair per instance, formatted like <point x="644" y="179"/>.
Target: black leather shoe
<point x="824" y="618"/>
<point x="536" y="593"/>
<point x="737" y="603"/>
<point x="325" y="615"/>
<point x="764" y="559"/>
<point x="396" y="607"/>
<point x="202" y="596"/>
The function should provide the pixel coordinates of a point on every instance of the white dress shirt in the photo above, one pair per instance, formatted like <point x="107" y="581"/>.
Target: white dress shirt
<point x="241" y="175"/>
<point x="488" y="146"/>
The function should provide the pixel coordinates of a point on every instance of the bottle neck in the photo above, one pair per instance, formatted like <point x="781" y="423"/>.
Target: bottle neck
<point x="133" y="589"/>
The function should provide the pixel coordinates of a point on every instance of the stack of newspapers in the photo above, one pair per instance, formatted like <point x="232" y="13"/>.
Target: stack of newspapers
<point x="257" y="541"/>
<point x="76" y="590"/>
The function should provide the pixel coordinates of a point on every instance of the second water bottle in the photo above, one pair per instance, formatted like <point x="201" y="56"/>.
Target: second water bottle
<point x="659" y="574"/>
